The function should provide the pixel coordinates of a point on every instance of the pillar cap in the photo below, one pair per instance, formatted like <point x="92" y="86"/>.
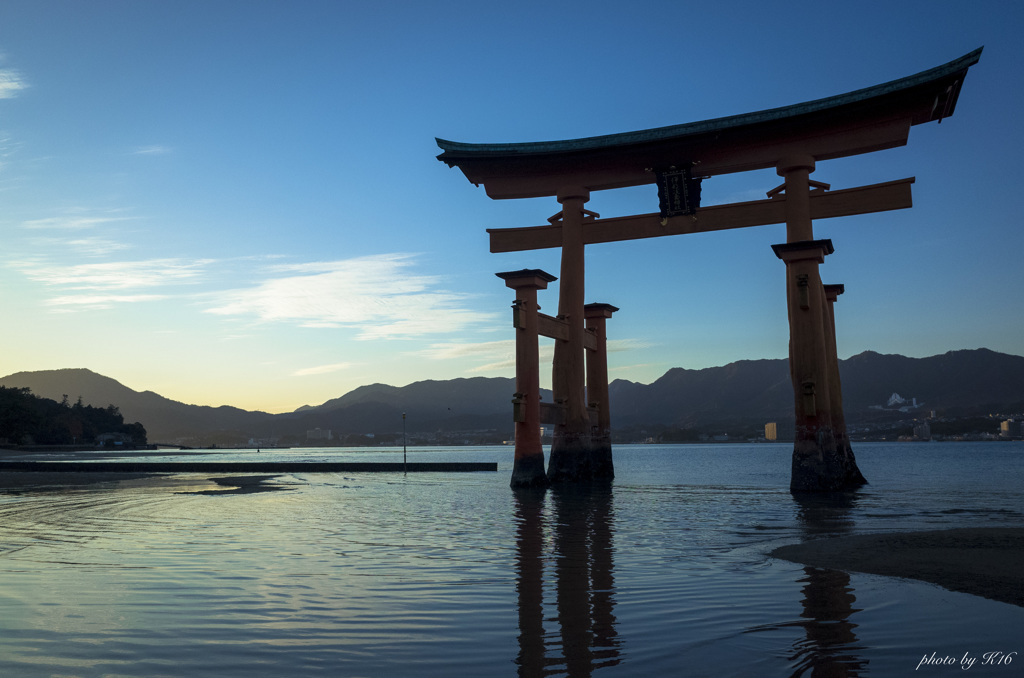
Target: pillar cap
<point x="794" y="162"/>
<point x="570" y="192"/>
<point x="527" y="277"/>
<point x="804" y="249"/>
<point x="833" y="290"/>
<point x="599" y="310"/>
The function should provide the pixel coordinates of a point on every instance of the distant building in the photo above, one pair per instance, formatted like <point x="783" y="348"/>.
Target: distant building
<point x="898" y="402"/>
<point x="319" y="434"/>
<point x="113" y="439"/>
<point x="771" y="431"/>
<point x="922" y="431"/>
<point x="1011" y="429"/>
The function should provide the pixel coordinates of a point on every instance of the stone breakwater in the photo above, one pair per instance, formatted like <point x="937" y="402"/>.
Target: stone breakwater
<point x="245" y="467"/>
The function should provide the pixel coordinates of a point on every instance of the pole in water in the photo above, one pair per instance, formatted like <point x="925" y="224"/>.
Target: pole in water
<point x="405" y="467"/>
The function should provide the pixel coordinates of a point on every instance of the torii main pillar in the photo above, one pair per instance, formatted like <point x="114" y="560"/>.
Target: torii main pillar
<point x="820" y="460"/>
<point x="571" y="457"/>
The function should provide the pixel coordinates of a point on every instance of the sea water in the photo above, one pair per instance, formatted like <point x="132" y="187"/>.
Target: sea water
<point x="665" y="573"/>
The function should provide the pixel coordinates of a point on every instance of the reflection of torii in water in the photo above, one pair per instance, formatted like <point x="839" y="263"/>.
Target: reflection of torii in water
<point x="580" y="525"/>
<point x="791" y="140"/>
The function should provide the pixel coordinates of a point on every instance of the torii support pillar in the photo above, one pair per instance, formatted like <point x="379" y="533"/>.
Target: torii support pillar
<point x="843" y="446"/>
<point x="528" y="469"/>
<point x="596" y="316"/>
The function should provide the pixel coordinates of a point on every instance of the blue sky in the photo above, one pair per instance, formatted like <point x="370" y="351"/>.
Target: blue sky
<point x="239" y="202"/>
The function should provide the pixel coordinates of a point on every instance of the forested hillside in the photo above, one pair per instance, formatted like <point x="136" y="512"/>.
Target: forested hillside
<point x="27" y="419"/>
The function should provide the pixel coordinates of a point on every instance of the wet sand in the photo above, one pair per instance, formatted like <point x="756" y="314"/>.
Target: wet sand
<point x="243" y="485"/>
<point x="987" y="562"/>
<point x="20" y="480"/>
<point x="14" y="480"/>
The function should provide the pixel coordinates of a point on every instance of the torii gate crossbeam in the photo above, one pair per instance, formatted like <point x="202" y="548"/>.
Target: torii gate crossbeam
<point x="892" y="195"/>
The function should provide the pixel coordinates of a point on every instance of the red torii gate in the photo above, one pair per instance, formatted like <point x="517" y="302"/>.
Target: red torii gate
<point x="791" y="139"/>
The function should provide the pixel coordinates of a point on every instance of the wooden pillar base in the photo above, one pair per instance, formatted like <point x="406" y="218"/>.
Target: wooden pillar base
<point x="571" y="458"/>
<point x="602" y="466"/>
<point x="578" y="458"/>
<point x="822" y="465"/>
<point x="854" y="478"/>
<point x="528" y="471"/>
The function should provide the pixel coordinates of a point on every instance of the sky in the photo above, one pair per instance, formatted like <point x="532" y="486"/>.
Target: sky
<point x="239" y="202"/>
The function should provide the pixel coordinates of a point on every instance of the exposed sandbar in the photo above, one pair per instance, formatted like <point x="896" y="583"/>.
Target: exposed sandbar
<point x="987" y="562"/>
<point x="20" y="480"/>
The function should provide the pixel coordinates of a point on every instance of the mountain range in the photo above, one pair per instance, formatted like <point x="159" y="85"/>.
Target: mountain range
<point x="744" y="393"/>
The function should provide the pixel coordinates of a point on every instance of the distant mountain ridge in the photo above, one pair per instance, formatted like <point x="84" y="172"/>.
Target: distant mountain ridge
<point x="964" y="381"/>
<point x="749" y="389"/>
<point x="169" y="419"/>
<point x="958" y="382"/>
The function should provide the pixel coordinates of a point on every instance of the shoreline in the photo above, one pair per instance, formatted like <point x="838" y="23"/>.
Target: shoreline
<point x="983" y="561"/>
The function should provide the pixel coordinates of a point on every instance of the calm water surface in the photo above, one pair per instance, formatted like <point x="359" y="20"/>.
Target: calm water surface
<point x="662" y="574"/>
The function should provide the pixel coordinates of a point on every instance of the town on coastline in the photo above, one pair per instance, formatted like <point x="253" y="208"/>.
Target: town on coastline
<point x="993" y="427"/>
<point x="968" y="395"/>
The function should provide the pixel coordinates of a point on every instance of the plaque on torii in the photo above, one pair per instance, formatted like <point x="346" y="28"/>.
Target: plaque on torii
<point x="792" y="140"/>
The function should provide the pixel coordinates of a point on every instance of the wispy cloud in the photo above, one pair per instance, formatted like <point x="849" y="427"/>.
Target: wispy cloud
<point x="321" y="369"/>
<point x="617" y="345"/>
<point x="88" y="232"/>
<point x="91" y="302"/>
<point x="11" y="83"/>
<point x="96" y="247"/>
<point x="151" y="150"/>
<point x="630" y="369"/>
<point x="379" y="295"/>
<point x="118" y="275"/>
<point x="70" y="222"/>
<point x="493" y="356"/>
<point x="7" y="149"/>
<point x="488" y="350"/>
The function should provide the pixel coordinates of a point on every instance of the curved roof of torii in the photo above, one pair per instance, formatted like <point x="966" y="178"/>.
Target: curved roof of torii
<point x="863" y="121"/>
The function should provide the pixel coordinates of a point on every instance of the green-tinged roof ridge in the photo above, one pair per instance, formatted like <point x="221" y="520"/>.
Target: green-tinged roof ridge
<point x="457" y="148"/>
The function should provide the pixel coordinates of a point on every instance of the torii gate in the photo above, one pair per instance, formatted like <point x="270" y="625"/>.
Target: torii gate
<point x="791" y="139"/>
